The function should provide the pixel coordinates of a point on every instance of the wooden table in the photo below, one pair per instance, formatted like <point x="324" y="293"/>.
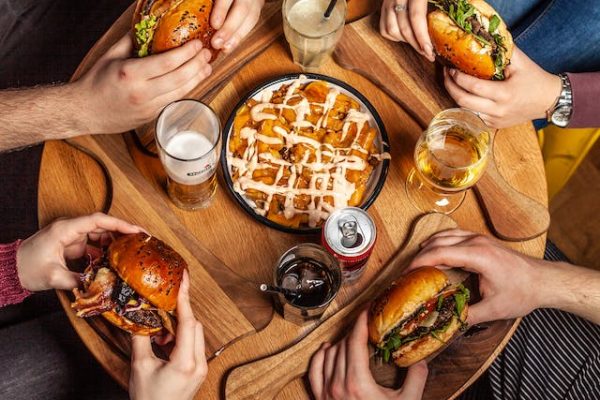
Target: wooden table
<point x="72" y="183"/>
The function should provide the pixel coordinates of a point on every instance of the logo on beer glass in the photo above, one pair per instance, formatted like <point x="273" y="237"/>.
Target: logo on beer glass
<point x="206" y="169"/>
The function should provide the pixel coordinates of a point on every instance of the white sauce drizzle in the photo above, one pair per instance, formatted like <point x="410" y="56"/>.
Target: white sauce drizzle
<point x="328" y="169"/>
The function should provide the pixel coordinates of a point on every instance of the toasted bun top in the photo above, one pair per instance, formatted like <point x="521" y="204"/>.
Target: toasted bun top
<point x="403" y="298"/>
<point x="462" y="49"/>
<point x="188" y="20"/>
<point x="418" y="350"/>
<point x="149" y="266"/>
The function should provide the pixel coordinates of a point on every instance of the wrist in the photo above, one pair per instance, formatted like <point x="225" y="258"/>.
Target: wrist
<point x="12" y="290"/>
<point x="552" y="90"/>
<point x="553" y="285"/>
<point x="83" y="116"/>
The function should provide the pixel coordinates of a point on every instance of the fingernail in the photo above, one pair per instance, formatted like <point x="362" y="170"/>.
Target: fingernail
<point x="207" y="55"/>
<point x="197" y="45"/>
<point x="229" y="45"/>
<point x="452" y="72"/>
<point x="429" y="51"/>
<point x="218" y="42"/>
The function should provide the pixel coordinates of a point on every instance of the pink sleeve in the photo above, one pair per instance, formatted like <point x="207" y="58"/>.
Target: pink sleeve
<point x="11" y="291"/>
<point x="586" y="91"/>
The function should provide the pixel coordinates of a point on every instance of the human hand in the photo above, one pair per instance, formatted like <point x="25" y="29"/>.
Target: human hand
<point x="233" y="20"/>
<point x="526" y="94"/>
<point x="409" y="25"/>
<point x="342" y="371"/>
<point x="41" y="259"/>
<point x="506" y="278"/>
<point x="181" y="376"/>
<point x="120" y="93"/>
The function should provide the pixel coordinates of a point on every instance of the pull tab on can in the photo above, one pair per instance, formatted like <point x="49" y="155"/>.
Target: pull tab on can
<point x="349" y="233"/>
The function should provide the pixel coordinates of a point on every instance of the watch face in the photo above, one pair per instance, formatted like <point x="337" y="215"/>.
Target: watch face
<point x="561" y="116"/>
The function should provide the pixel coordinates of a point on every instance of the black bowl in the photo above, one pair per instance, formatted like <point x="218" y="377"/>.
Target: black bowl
<point x="376" y="180"/>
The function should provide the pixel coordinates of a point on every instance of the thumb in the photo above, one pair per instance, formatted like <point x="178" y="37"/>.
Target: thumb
<point x="517" y="61"/>
<point x="61" y="278"/>
<point x="141" y="348"/>
<point x="414" y="383"/>
<point x="120" y="50"/>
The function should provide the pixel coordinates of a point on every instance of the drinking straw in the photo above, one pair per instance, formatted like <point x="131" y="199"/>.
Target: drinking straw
<point x="276" y="289"/>
<point x="329" y="9"/>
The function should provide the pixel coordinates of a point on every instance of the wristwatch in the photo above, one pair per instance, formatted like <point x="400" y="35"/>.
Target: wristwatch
<point x="562" y="110"/>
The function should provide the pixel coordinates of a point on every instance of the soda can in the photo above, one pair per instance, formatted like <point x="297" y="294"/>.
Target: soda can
<point x="349" y="235"/>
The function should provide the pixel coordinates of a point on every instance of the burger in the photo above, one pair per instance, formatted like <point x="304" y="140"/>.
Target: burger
<point x="471" y="36"/>
<point x="417" y="316"/>
<point x="161" y="25"/>
<point x="133" y="284"/>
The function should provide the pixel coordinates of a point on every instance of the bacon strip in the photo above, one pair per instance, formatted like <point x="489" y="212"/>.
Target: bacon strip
<point x="97" y="297"/>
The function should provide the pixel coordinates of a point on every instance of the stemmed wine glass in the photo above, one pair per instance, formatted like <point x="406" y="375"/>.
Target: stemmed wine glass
<point x="450" y="157"/>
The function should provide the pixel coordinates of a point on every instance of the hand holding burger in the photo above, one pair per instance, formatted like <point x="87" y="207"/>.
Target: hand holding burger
<point x="42" y="258"/>
<point x="161" y="25"/>
<point x="506" y="278"/>
<point x="526" y="94"/>
<point x="133" y="284"/>
<point x="512" y="284"/>
<point x="233" y="20"/>
<point x="133" y="91"/>
<point x="468" y="34"/>
<point x="180" y="377"/>
<point x="406" y="21"/>
<point x="341" y="372"/>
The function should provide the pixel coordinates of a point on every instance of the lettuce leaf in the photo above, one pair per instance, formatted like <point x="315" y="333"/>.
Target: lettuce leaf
<point x="494" y="23"/>
<point x="144" y="32"/>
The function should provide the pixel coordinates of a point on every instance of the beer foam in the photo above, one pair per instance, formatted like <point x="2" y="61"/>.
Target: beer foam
<point x="185" y="166"/>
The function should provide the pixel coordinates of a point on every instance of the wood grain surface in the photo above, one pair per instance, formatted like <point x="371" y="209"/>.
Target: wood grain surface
<point x="416" y="85"/>
<point x="263" y="379"/>
<point x="73" y="184"/>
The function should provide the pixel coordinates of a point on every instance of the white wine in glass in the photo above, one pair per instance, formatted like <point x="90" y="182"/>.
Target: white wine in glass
<point x="450" y="157"/>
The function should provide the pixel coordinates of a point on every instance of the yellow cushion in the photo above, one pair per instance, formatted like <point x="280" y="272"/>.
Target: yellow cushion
<point x="563" y="150"/>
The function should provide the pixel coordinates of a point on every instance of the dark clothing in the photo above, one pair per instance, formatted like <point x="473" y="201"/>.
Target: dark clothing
<point x="552" y="355"/>
<point x="561" y="36"/>
<point x="41" y="42"/>
<point x="44" y="359"/>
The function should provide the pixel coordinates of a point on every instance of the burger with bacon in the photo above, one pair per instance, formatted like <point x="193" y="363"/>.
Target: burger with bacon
<point x="471" y="36"/>
<point x="417" y="316"/>
<point x="133" y="284"/>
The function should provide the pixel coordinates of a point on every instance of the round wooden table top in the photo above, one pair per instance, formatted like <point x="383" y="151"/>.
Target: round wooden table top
<point x="72" y="183"/>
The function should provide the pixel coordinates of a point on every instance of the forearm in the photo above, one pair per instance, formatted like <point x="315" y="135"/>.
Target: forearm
<point x="37" y="114"/>
<point x="586" y="90"/>
<point x="573" y="289"/>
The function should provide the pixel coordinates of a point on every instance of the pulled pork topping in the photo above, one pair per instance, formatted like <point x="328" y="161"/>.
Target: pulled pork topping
<point x="485" y="30"/>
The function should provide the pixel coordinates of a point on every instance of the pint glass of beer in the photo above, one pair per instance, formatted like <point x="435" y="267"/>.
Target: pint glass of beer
<point x="188" y="137"/>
